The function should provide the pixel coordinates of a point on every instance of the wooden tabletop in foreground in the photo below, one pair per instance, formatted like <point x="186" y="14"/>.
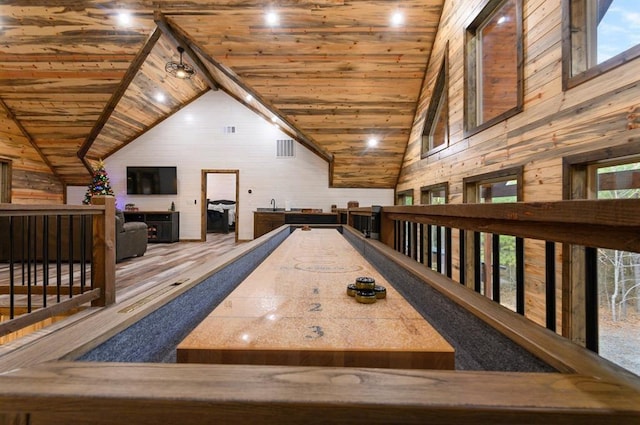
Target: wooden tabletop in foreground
<point x="293" y="309"/>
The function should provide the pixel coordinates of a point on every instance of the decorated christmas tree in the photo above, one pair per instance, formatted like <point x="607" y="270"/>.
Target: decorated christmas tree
<point x="99" y="185"/>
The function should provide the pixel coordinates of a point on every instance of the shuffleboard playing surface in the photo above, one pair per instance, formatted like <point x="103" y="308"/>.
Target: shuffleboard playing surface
<point x="293" y="309"/>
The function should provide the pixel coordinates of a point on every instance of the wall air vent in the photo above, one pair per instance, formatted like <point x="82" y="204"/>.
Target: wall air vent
<point x="229" y="129"/>
<point x="284" y="148"/>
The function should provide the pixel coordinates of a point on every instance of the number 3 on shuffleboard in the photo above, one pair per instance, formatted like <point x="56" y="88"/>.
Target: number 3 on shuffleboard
<point x="317" y="332"/>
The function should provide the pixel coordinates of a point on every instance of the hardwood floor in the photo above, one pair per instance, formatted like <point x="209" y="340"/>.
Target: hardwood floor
<point x="162" y="262"/>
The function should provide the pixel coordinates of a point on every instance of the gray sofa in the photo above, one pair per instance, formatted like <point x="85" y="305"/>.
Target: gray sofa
<point x="131" y="238"/>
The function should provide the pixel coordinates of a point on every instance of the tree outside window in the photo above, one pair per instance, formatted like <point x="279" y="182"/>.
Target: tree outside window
<point x="618" y="275"/>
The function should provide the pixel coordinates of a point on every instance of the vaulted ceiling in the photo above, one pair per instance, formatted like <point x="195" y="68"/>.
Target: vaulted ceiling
<point x="81" y="79"/>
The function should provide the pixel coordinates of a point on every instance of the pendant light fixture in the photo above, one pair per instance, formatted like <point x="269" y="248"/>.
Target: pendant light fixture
<point x="181" y="70"/>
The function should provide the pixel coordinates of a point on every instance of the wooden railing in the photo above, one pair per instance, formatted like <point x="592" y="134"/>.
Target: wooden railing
<point x="54" y="259"/>
<point x="581" y="227"/>
<point x="586" y="388"/>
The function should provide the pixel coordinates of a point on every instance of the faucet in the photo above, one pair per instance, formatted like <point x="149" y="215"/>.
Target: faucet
<point x="273" y="202"/>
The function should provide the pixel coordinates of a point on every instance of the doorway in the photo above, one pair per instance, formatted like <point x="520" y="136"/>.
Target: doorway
<point x="220" y="202"/>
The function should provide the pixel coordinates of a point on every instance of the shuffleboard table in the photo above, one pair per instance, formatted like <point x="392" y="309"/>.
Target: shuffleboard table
<point x="293" y="309"/>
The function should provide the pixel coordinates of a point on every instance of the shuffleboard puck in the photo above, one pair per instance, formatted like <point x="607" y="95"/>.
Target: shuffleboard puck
<point x="381" y="292"/>
<point x="351" y="290"/>
<point x="365" y="282"/>
<point x="366" y="296"/>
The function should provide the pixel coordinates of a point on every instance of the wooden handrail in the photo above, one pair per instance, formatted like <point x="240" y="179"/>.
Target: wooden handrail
<point x="17" y="210"/>
<point x="602" y="223"/>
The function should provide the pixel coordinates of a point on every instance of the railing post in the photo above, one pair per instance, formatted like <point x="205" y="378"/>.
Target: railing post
<point x="103" y="262"/>
<point x="387" y="229"/>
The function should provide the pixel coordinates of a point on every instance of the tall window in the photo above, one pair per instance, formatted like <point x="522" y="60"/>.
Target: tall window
<point x="618" y="275"/>
<point x="599" y="35"/>
<point x="496" y="274"/>
<point x="493" y="65"/>
<point x="435" y="135"/>
<point x="605" y="175"/>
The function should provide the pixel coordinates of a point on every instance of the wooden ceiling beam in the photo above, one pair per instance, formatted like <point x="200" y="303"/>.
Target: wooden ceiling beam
<point x="117" y="95"/>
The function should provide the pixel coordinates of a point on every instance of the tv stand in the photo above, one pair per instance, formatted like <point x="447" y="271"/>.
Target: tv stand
<point x="163" y="226"/>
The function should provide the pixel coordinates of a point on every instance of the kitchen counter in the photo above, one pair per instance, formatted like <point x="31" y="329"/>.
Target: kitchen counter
<point x="266" y="219"/>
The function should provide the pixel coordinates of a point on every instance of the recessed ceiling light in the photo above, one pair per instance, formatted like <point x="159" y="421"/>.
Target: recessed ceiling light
<point x="272" y="18"/>
<point x="124" y="18"/>
<point x="248" y="98"/>
<point x="502" y="20"/>
<point x="274" y="119"/>
<point x="372" y="142"/>
<point x="397" y="18"/>
<point x="160" y="97"/>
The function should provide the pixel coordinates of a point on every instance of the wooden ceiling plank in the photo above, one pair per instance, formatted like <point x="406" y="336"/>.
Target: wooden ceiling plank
<point x="117" y="95"/>
<point x="26" y="134"/>
<point x="298" y="135"/>
<point x="167" y="30"/>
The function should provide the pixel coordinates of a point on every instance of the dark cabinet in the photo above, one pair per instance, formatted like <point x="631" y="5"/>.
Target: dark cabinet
<point x="162" y="226"/>
<point x="264" y="222"/>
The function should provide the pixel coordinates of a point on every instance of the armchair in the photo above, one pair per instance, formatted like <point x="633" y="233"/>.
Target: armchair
<point x="131" y="238"/>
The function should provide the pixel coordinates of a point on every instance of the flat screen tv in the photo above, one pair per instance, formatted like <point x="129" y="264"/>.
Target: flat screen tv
<point x="152" y="181"/>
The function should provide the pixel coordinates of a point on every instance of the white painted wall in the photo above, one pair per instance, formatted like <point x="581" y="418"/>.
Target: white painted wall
<point x="221" y="186"/>
<point x="194" y="139"/>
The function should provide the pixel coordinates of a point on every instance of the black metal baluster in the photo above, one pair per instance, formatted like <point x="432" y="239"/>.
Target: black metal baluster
<point x="414" y="240"/>
<point x="11" y="271"/>
<point x="421" y="239"/>
<point x="24" y="238"/>
<point x="477" y="269"/>
<point x="463" y="256"/>
<point x="396" y="235"/>
<point x="439" y="248"/>
<point x="70" y="256"/>
<point x="550" y="284"/>
<point x="430" y="245"/>
<point x="447" y="244"/>
<point x="520" y="276"/>
<point x="83" y="258"/>
<point x="45" y="258"/>
<point x="495" y="267"/>
<point x="29" y="249"/>
<point x="58" y="257"/>
<point x="591" y="298"/>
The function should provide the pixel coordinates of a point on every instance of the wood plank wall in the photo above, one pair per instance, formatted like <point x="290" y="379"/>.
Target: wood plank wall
<point x="594" y="115"/>
<point x="33" y="182"/>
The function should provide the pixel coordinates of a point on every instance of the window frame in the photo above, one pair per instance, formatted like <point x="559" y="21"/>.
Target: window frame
<point x="438" y="105"/>
<point x="471" y="239"/>
<point x="425" y="190"/>
<point x="582" y="324"/>
<point x="472" y="77"/>
<point x="5" y="180"/>
<point x="402" y="194"/>
<point x="568" y="79"/>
